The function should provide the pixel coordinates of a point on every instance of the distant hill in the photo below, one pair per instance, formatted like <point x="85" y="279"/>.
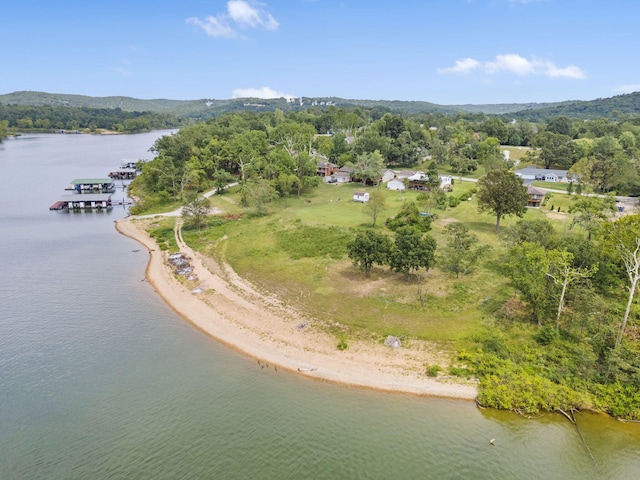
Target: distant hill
<point x="613" y="108"/>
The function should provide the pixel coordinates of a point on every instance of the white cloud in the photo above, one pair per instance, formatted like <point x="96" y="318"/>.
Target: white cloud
<point x="263" y="92"/>
<point x="241" y="14"/>
<point x="251" y="14"/>
<point x="213" y="26"/>
<point x="628" y="88"/>
<point x="517" y="65"/>
<point x="465" y="65"/>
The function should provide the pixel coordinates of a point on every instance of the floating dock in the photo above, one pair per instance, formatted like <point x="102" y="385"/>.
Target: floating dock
<point x="87" y="201"/>
<point x="123" y="173"/>
<point x="92" y="185"/>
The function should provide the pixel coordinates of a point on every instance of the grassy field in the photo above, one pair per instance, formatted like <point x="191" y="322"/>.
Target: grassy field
<point x="298" y="251"/>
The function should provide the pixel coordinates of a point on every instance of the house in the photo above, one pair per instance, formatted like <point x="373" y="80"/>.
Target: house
<point x="445" y="182"/>
<point x="387" y="175"/>
<point x="338" y="177"/>
<point x="405" y="174"/>
<point x="360" y="197"/>
<point x="418" y="181"/>
<point x="545" y="175"/>
<point x="396" y="184"/>
<point x="326" y="169"/>
<point x="535" y="196"/>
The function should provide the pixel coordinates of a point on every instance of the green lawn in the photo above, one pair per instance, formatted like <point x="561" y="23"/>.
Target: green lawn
<point x="298" y="252"/>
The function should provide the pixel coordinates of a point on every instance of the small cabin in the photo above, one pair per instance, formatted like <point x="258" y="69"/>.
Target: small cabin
<point x="360" y="197"/>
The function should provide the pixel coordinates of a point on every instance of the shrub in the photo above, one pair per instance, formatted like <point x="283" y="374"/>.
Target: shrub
<point x="342" y="343"/>
<point x="433" y="370"/>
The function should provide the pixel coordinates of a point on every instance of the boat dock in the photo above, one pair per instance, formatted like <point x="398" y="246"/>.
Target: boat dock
<point x="95" y="193"/>
<point x="96" y="201"/>
<point x="92" y="185"/>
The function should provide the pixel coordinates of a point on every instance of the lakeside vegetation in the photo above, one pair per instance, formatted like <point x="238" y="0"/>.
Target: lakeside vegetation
<point x="26" y="118"/>
<point x="542" y="312"/>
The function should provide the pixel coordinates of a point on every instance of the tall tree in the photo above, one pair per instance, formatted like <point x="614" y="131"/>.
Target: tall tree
<point x="529" y="265"/>
<point x="563" y="273"/>
<point x="624" y="236"/>
<point x="412" y="251"/>
<point x="460" y="254"/>
<point x="502" y="193"/>
<point x="368" y="248"/>
<point x="195" y="211"/>
<point x="375" y="205"/>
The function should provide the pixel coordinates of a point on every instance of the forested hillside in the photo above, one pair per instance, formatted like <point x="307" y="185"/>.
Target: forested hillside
<point x="48" y="118"/>
<point x="202" y="109"/>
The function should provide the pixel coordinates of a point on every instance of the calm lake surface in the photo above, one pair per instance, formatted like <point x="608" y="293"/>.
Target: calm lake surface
<point x="100" y="379"/>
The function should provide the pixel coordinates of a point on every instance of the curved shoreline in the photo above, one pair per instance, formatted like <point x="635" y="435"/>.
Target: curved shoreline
<point x="233" y="312"/>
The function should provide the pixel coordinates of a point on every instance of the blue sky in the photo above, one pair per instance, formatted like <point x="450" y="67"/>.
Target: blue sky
<point x="441" y="51"/>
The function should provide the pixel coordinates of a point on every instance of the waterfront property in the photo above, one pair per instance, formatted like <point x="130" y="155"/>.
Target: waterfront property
<point x="92" y="185"/>
<point x="96" y="201"/>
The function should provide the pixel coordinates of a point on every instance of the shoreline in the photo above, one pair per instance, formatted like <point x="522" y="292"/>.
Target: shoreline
<point x="234" y="313"/>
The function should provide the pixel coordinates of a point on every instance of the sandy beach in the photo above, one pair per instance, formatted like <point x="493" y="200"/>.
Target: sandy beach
<point x="235" y="313"/>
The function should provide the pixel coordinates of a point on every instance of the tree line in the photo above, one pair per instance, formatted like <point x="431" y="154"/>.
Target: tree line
<point x="49" y="118"/>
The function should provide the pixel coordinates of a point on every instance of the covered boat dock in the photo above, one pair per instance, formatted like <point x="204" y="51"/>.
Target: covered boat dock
<point x="92" y="185"/>
<point x="123" y="173"/>
<point x="94" y="201"/>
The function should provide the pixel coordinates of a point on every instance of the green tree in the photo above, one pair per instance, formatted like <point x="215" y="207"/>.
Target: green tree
<point x="460" y="254"/>
<point x="260" y="193"/>
<point x="529" y="265"/>
<point x="502" y="193"/>
<point x="368" y="167"/>
<point x="590" y="212"/>
<point x="623" y="236"/>
<point x="489" y="154"/>
<point x="376" y="204"/>
<point x="409" y="215"/>
<point x="538" y="231"/>
<point x="412" y="250"/>
<point x="195" y="211"/>
<point x="555" y="149"/>
<point x="368" y="248"/>
<point x="222" y="178"/>
<point x="564" y="273"/>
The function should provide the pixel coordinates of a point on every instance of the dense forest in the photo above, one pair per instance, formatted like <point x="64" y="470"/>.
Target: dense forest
<point x="568" y="338"/>
<point x="48" y="118"/>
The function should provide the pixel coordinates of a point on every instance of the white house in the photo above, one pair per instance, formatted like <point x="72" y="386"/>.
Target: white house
<point x="339" y="177"/>
<point x="445" y="182"/>
<point x="387" y="175"/>
<point x="360" y="197"/>
<point x="544" y="174"/>
<point x="396" y="184"/>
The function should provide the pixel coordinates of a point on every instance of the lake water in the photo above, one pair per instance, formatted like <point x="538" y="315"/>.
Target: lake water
<point x="100" y="379"/>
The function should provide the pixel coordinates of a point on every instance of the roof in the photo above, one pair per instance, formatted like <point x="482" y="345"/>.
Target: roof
<point x="359" y="194"/>
<point x="91" y="181"/>
<point x="87" y="197"/>
<point x="541" y="171"/>
<point x="535" y="191"/>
